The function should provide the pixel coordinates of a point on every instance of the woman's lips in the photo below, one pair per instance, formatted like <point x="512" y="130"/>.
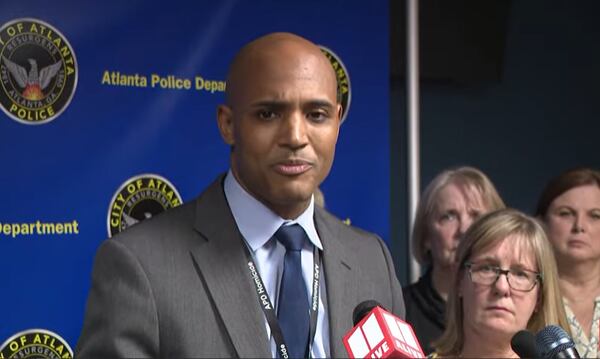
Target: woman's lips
<point x="577" y="243"/>
<point x="499" y="308"/>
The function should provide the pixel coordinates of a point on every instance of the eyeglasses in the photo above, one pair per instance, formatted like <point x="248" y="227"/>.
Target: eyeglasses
<point x="522" y="280"/>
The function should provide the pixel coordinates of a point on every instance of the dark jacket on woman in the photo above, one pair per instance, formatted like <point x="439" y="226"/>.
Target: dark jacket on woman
<point x="425" y="311"/>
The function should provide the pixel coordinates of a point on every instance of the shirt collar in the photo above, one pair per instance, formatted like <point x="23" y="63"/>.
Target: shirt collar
<point x="256" y="222"/>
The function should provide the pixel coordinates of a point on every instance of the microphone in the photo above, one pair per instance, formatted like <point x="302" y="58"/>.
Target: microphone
<point x="523" y="344"/>
<point x="554" y="342"/>
<point x="363" y="309"/>
<point x="379" y="334"/>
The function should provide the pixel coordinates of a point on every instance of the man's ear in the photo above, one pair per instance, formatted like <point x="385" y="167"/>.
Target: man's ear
<point x="225" y="123"/>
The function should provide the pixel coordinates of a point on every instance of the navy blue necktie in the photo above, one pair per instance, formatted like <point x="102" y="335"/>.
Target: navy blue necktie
<point x="293" y="310"/>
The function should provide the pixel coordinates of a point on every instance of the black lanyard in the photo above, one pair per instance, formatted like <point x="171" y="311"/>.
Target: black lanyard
<point x="267" y="305"/>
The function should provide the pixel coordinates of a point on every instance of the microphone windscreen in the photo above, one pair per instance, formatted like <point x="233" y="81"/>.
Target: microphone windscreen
<point x="362" y="309"/>
<point x="553" y="340"/>
<point x="523" y="344"/>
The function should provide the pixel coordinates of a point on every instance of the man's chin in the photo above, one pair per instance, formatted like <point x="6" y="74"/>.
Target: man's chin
<point x="289" y="206"/>
<point x="293" y="189"/>
<point x="292" y="194"/>
<point x="294" y="197"/>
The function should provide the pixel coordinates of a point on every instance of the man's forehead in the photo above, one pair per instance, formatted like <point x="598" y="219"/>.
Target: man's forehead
<point x="275" y="41"/>
<point x="271" y="65"/>
<point x="286" y="103"/>
<point x="279" y="55"/>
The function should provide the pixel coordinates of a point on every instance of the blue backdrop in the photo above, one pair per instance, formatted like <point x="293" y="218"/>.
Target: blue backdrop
<point x="65" y="172"/>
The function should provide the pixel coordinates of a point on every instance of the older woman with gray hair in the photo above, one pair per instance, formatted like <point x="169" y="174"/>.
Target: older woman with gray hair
<point x="450" y="203"/>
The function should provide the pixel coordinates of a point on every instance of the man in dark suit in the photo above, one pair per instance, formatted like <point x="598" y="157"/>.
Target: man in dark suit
<point x="216" y="277"/>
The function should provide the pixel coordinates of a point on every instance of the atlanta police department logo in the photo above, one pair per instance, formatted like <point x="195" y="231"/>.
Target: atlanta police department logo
<point x="140" y="198"/>
<point x="343" y="80"/>
<point x="36" y="343"/>
<point x="38" y="71"/>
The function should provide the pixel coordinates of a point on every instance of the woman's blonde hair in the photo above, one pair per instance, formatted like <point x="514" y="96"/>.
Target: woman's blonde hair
<point x="488" y="231"/>
<point x="469" y="178"/>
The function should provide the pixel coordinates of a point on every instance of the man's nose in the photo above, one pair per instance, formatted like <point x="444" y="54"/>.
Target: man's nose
<point x="294" y="131"/>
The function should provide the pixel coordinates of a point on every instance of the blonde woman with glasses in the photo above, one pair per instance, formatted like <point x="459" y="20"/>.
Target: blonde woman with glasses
<point x="506" y="282"/>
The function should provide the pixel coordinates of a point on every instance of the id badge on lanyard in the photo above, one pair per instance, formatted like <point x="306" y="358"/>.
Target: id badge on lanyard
<point x="269" y="309"/>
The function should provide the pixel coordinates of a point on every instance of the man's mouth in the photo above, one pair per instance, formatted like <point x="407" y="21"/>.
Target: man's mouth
<point x="292" y="167"/>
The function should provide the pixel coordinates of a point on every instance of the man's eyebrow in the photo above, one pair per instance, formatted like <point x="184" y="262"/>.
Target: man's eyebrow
<point x="319" y="103"/>
<point x="283" y="104"/>
<point x="271" y="104"/>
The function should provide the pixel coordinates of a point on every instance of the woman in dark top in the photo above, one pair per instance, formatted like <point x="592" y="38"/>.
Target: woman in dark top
<point x="450" y="203"/>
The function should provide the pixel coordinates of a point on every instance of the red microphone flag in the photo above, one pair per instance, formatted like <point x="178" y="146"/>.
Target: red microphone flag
<point x="380" y="334"/>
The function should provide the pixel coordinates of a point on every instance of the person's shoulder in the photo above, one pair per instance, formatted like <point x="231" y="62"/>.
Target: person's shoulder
<point x="336" y="224"/>
<point x="170" y="226"/>
<point x="417" y="288"/>
<point x="409" y="291"/>
<point x="164" y="221"/>
<point x="356" y="242"/>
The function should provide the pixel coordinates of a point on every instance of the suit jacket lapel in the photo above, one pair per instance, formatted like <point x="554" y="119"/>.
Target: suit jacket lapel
<point x="221" y="262"/>
<point x="340" y="279"/>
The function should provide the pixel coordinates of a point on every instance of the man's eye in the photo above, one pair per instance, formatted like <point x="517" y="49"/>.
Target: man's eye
<point x="267" y="115"/>
<point x="317" y="116"/>
<point x="595" y="215"/>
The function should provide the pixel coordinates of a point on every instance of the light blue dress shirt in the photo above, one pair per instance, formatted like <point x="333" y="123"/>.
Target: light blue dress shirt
<point x="258" y="224"/>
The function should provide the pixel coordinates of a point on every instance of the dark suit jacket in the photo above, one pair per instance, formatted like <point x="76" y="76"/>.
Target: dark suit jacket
<point x="177" y="285"/>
